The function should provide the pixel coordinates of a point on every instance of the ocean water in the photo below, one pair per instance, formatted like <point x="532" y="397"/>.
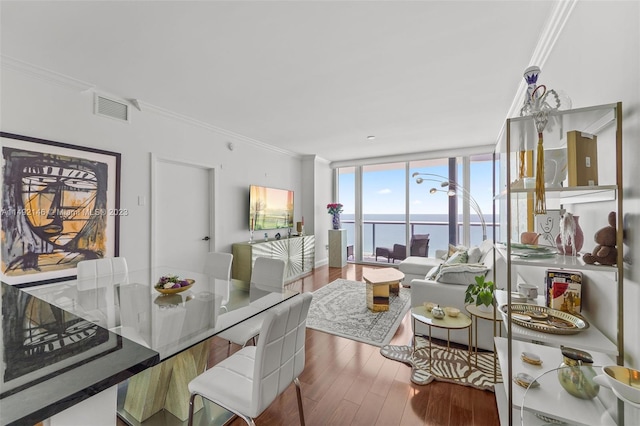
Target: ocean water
<point x="385" y="230"/>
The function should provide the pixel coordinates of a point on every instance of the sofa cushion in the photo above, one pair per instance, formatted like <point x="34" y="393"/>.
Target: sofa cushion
<point x="416" y="265"/>
<point x="462" y="274"/>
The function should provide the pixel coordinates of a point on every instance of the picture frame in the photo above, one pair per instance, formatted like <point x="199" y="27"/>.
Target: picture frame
<point x="60" y="205"/>
<point x="548" y="227"/>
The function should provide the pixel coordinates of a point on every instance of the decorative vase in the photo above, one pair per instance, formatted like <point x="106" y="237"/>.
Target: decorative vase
<point x="576" y="373"/>
<point x="571" y="238"/>
<point x="336" y="221"/>
<point x="555" y="167"/>
<point x="485" y="308"/>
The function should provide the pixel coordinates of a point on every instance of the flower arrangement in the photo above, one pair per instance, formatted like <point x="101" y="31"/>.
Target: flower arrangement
<point x="334" y="208"/>
<point x="172" y="281"/>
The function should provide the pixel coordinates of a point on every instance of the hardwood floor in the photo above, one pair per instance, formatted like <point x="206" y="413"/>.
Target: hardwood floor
<point x="349" y="383"/>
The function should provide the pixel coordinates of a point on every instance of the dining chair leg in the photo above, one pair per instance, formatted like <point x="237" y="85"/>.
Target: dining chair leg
<point x="299" y="393"/>
<point x="191" y="400"/>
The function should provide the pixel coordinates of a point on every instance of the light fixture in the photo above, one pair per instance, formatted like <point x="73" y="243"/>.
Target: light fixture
<point x="370" y="138"/>
<point x="452" y="192"/>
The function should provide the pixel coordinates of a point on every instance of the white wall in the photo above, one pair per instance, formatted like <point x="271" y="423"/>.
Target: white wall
<point x="597" y="61"/>
<point x="40" y="108"/>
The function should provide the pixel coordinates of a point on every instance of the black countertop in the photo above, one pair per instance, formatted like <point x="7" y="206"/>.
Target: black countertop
<point x="53" y="359"/>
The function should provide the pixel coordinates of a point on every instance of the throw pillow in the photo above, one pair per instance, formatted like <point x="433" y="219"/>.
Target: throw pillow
<point x="462" y="274"/>
<point x="453" y="249"/>
<point x="474" y="254"/>
<point x="460" y="256"/>
<point x="433" y="272"/>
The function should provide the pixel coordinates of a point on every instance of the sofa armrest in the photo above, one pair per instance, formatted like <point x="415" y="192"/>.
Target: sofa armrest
<point x="441" y="253"/>
<point x="441" y="293"/>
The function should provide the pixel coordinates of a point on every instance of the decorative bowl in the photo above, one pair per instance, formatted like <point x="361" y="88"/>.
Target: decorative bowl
<point x="429" y="306"/>
<point x="173" y="290"/>
<point x="555" y="322"/>
<point x="452" y="312"/>
<point x="624" y="381"/>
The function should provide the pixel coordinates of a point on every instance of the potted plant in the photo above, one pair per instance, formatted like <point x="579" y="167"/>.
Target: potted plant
<point x="480" y="293"/>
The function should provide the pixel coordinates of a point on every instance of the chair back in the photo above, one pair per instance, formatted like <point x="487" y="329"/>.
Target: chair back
<point x="280" y="353"/>
<point x="218" y="265"/>
<point x="420" y="245"/>
<point x="267" y="277"/>
<point x="97" y="273"/>
<point x="97" y="280"/>
<point x="218" y="268"/>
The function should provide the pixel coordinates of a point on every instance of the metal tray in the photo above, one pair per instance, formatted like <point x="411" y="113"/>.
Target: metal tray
<point x="557" y="322"/>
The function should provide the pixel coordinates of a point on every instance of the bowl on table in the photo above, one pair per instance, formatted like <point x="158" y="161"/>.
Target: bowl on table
<point x="452" y="312"/>
<point x="172" y="284"/>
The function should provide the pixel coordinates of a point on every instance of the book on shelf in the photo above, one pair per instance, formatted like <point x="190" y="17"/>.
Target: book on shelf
<point x="564" y="290"/>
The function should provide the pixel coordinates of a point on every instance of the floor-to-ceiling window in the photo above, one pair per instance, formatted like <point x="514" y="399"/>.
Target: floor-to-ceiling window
<point x="392" y="205"/>
<point x="384" y="211"/>
<point x="428" y="201"/>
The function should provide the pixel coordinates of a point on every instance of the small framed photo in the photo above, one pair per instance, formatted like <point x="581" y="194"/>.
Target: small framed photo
<point x="548" y="226"/>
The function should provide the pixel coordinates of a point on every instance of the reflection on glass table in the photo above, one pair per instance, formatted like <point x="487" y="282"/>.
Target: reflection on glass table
<point x="176" y="325"/>
<point x="566" y="395"/>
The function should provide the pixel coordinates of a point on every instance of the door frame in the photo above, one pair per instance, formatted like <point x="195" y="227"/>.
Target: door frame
<point x="155" y="161"/>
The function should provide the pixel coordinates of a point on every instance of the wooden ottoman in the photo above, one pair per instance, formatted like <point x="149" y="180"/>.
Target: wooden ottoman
<point x="380" y="282"/>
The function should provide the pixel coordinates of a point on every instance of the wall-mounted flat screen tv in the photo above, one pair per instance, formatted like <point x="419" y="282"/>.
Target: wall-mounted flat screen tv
<point x="270" y="208"/>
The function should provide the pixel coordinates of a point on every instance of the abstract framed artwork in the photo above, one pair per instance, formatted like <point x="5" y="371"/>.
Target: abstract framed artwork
<point x="548" y="227"/>
<point x="60" y="205"/>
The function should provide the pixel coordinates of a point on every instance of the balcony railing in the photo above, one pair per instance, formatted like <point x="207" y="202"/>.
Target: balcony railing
<point x="386" y="233"/>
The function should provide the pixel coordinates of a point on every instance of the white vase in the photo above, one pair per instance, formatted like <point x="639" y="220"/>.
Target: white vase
<point x="485" y="308"/>
<point x="555" y="167"/>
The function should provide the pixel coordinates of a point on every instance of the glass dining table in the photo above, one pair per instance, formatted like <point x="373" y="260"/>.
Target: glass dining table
<point x="175" y="326"/>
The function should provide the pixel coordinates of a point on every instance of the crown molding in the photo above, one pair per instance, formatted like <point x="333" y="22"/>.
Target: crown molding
<point x="59" y="79"/>
<point x="40" y="73"/>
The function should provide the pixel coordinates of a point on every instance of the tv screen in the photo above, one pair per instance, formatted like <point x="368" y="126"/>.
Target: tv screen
<point x="270" y="208"/>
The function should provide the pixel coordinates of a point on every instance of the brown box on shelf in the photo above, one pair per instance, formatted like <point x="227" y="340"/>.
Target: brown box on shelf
<point x="564" y="290"/>
<point x="582" y="158"/>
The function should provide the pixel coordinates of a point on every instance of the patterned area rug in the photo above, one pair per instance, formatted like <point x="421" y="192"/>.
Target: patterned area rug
<point x="451" y="365"/>
<point x="340" y="308"/>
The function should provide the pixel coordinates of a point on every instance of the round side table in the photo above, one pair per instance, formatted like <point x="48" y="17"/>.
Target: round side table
<point x="476" y="313"/>
<point x="420" y="314"/>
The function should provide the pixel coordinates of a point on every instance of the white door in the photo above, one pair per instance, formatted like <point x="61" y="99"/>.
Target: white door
<point x="182" y="228"/>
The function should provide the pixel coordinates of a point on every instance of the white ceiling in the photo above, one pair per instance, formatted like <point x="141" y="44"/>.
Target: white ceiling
<point x="308" y="77"/>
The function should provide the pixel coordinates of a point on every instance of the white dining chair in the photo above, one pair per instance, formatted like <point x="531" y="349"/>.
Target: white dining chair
<point x="250" y="380"/>
<point x="218" y="267"/>
<point x="267" y="277"/>
<point x="97" y="279"/>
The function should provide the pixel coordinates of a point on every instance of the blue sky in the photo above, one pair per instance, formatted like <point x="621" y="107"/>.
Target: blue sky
<point x="384" y="190"/>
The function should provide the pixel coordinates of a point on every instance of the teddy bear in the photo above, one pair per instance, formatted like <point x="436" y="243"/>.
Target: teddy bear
<point x="605" y="253"/>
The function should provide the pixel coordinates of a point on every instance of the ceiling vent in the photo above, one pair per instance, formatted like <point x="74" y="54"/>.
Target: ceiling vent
<point x="111" y="108"/>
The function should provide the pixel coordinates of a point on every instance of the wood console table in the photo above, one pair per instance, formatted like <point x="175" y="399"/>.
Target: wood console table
<point x="297" y="252"/>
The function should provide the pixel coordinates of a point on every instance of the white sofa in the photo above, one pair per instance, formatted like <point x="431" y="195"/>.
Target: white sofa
<point x="452" y="294"/>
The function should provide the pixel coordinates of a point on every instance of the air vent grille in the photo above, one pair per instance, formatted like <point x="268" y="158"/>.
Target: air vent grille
<point x="111" y="108"/>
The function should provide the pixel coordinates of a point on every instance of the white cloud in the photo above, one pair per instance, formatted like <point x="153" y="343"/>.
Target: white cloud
<point x="384" y="191"/>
